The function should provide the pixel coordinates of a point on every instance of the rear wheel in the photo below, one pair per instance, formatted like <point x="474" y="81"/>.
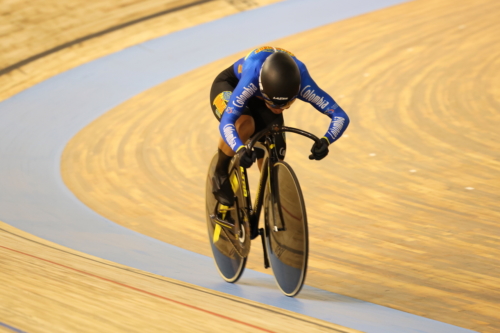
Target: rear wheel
<point x="286" y="231"/>
<point x="228" y="258"/>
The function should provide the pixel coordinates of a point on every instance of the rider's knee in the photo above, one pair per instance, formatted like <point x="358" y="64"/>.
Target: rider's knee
<point x="245" y="126"/>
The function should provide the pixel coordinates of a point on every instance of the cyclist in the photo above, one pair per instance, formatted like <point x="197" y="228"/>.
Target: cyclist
<point x="252" y="94"/>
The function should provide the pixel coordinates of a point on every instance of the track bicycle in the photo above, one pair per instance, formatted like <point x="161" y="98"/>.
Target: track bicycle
<point x="284" y="235"/>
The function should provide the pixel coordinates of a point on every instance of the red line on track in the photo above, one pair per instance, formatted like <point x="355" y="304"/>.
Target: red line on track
<point x="143" y="291"/>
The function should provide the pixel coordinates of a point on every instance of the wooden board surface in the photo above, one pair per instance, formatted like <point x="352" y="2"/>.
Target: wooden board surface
<point x="403" y="213"/>
<point x="31" y="28"/>
<point x="45" y="287"/>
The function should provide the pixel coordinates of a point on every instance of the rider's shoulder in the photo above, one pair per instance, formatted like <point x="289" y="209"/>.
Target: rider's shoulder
<point x="301" y="65"/>
<point x="259" y="55"/>
<point x="253" y="61"/>
<point x="265" y="51"/>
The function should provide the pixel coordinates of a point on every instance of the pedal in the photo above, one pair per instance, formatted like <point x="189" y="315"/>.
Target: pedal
<point x="222" y="223"/>
<point x="224" y="209"/>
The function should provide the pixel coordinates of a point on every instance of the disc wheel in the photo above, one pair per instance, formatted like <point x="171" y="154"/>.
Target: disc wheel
<point x="229" y="263"/>
<point x="286" y="233"/>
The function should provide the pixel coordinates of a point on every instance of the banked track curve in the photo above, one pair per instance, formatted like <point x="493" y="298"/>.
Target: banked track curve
<point x="291" y="48"/>
<point x="409" y="194"/>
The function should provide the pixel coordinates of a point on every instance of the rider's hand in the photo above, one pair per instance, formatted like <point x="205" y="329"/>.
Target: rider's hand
<point x="246" y="157"/>
<point x="319" y="152"/>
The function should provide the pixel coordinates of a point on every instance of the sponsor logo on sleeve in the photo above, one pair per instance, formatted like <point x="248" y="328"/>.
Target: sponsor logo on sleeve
<point x="310" y="95"/>
<point x="331" y="112"/>
<point x="248" y="92"/>
<point x="229" y="134"/>
<point x="232" y="110"/>
<point x="336" y="126"/>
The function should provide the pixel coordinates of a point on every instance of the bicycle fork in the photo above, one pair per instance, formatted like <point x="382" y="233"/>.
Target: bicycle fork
<point x="259" y="199"/>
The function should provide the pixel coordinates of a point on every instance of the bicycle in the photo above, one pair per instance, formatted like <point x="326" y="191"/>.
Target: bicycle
<point x="284" y="237"/>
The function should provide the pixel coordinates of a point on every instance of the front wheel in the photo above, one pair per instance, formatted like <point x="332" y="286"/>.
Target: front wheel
<point x="285" y="229"/>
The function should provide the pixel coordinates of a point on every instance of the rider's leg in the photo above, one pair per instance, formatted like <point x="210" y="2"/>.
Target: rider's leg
<point x="263" y="117"/>
<point x="245" y="126"/>
<point x="220" y="93"/>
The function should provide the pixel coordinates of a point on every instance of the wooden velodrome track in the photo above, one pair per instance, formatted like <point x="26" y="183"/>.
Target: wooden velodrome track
<point x="49" y="288"/>
<point x="54" y="289"/>
<point x="38" y="40"/>
<point x="393" y="216"/>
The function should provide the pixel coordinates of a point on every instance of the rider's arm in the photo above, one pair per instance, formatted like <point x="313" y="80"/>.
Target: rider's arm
<point x="235" y="107"/>
<point x="324" y="103"/>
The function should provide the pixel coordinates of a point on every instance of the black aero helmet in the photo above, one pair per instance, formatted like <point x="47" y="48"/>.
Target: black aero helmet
<point x="279" y="80"/>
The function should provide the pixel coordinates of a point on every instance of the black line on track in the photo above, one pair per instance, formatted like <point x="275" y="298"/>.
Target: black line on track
<point x="97" y="34"/>
<point x="177" y="284"/>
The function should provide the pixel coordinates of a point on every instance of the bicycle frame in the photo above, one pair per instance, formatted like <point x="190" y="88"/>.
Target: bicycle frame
<point x="238" y="174"/>
<point x="272" y="157"/>
<point x="246" y="215"/>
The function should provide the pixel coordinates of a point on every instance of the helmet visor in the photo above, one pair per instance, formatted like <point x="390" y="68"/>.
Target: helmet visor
<point x="275" y="105"/>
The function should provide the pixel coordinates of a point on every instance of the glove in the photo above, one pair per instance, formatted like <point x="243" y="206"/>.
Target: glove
<point x="319" y="152"/>
<point x="246" y="157"/>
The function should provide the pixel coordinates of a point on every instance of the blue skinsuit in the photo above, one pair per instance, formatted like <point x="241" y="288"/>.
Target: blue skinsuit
<point x="247" y="70"/>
